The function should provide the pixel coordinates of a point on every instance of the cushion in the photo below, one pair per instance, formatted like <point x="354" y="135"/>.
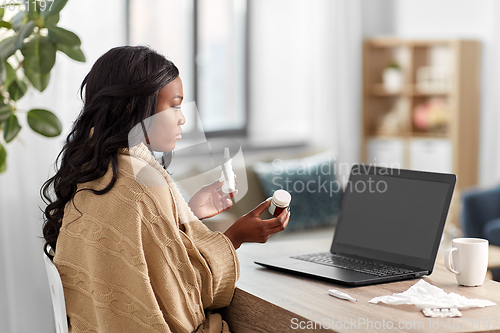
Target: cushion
<point x="316" y="193"/>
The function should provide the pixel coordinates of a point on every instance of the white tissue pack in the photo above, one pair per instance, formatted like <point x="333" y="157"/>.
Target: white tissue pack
<point x="425" y="295"/>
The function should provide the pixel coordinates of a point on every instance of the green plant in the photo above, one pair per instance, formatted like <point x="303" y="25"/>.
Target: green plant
<point x="29" y="42"/>
<point x="393" y="64"/>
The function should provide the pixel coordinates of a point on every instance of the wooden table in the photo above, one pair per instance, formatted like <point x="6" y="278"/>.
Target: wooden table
<point x="270" y="301"/>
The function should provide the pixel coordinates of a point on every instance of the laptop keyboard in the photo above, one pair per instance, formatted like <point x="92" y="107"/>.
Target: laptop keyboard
<point x="356" y="265"/>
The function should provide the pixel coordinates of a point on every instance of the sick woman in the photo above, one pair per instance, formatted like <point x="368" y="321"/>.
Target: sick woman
<point x="132" y="254"/>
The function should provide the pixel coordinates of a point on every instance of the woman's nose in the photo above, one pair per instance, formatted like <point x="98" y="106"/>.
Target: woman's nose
<point x="182" y="119"/>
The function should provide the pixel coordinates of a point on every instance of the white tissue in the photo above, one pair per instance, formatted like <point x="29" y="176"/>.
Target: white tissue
<point x="425" y="295"/>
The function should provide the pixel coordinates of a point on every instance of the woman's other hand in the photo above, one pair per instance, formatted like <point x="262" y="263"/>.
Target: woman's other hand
<point x="210" y="200"/>
<point x="251" y="228"/>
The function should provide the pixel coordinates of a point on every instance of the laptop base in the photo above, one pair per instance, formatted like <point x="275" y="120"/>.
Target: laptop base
<point x="329" y="273"/>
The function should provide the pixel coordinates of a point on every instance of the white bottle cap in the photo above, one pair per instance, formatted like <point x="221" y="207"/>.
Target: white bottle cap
<point x="282" y="198"/>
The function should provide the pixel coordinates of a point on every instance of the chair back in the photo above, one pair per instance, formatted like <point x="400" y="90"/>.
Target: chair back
<point x="56" y="293"/>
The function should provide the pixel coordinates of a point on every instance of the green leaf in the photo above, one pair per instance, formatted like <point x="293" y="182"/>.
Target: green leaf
<point x="7" y="47"/>
<point x="17" y="89"/>
<point x="74" y="52"/>
<point x="2" y="12"/>
<point x="11" y="74"/>
<point x="54" y="9"/>
<point x="3" y="159"/>
<point x="39" y="81"/>
<point x="44" y="122"/>
<point x="33" y="10"/>
<point x="11" y="128"/>
<point x="39" y="55"/>
<point x="63" y="36"/>
<point x="24" y="32"/>
<point x="3" y="72"/>
<point x="52" y="20"/>
<point x="17" y="21"/>
<point x="5" y="112"/>
<point x="4" y="24"/>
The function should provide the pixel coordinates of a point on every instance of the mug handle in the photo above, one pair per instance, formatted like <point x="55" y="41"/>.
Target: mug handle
<point x="447" y="260"/>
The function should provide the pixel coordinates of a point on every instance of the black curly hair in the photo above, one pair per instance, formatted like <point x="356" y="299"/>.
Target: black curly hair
<point x="121" y="90"/>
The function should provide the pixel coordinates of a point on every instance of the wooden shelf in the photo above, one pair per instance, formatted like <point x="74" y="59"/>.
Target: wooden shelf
<point x="397" y="42"/>
<point x="408" y="135"/>
<point x="378" y="89"/>
<point x="429" y="135"/>
<point x="400" y="136"/>
<point x="457" y="147"/>
<point x="415" y="91"/>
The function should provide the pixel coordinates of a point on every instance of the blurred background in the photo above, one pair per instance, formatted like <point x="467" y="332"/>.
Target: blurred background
<point x="287" y="79"/>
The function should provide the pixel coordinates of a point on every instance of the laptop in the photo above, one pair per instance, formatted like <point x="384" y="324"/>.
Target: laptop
<point x="389" y="228"/>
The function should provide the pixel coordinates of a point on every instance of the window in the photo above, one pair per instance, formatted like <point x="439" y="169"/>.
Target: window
<point x="221" y="64"/>
<point x="207" y="40"/>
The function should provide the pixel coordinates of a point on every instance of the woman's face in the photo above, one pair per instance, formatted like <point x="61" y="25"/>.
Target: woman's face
<point x="166" y="127"/>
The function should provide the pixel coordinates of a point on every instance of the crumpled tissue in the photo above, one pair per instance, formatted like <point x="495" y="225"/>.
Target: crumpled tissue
<point x="425" y="295"/>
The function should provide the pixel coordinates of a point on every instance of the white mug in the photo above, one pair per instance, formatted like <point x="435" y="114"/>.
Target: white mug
<point x="470" y="260"/>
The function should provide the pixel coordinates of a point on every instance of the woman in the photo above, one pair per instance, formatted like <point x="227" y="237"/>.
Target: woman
<point x="132" y="255"/>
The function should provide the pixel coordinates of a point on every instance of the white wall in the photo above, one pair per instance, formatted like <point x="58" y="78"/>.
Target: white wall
<point x="377" y="17"/>
<point x="25" y="304"/>
<point x="478" y="19"/>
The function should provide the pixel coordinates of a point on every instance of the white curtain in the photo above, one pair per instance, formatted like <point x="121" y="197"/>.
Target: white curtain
<point x="338" y="88"/>
<point x="280" y="71"/>
<point x="305" y="67"/>
<point x="25" y="305"/>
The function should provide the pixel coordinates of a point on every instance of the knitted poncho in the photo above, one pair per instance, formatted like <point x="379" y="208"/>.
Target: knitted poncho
<point x="136" y="259"/>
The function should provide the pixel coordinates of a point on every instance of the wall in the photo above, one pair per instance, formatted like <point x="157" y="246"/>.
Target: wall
<point x="377" y="17"/>
<point x="25" y="304"/>
<point x="464" y="19"/>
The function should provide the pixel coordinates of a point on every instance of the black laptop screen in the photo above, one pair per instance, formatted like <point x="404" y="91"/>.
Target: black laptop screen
<point x="386" y="217"/>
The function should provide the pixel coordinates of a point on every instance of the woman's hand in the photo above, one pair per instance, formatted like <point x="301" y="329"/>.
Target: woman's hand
<point x="251" y="228"/>
<point x="210" y="200"/>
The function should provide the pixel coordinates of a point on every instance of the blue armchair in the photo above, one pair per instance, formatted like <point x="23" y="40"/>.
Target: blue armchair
<point x="481" y="214"/>
<point x="481" y="217"/>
